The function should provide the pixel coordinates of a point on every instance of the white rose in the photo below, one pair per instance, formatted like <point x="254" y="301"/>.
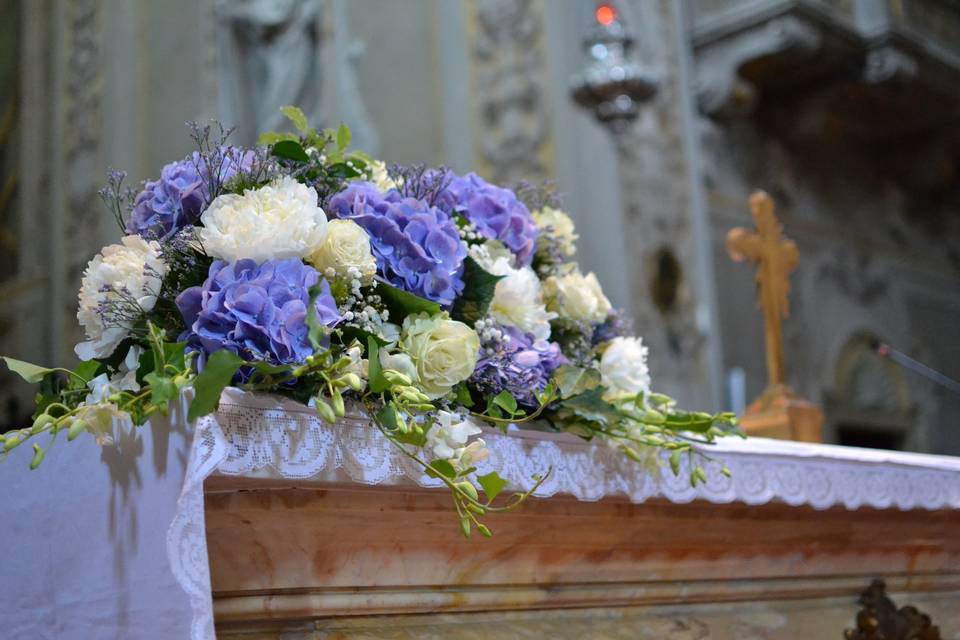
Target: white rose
<point x="557" y="226"/>
<point x="119" y="284"/>
<point x="577" y="297"/>
<point x="277" y="221"/>
<point x="444" y="351"/>
<point x="346" y="246"/>
<point x="447" y="440"/>
<point x="518" y="299"/>
<point x="623" y="367"/>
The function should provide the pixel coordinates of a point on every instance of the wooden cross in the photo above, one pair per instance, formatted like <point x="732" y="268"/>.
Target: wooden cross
<point x="776" y="257"/>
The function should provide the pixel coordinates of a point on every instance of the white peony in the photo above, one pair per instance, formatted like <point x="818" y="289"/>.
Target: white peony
<point x="444" y="351"/>
<point x="623" y="368"/>
<point x="119" y="284"/>
<point x="277" y="221"/>
<point x="518" y="299"/>
<point x="557" y="226"/>
<point x="346" y="247"/>
<point x="577" y="297"/>
<point x="448" y="437"/>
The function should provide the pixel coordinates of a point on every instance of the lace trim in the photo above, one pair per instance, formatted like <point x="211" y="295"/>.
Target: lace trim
<point x="263" y="436"/>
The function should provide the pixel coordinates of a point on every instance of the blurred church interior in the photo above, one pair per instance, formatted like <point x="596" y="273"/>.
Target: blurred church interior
<point x="845" y="111"/>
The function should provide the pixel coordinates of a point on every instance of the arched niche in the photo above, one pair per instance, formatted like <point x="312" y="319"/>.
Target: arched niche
<point x="869" y="403"/>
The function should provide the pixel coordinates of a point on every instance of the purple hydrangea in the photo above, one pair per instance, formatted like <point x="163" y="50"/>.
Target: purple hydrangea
<point x="181" y="194"/>
<point x="257" y="311"/>
<point x="521" y="365"/>
<point x="495" y="213"/>
<point x="417" y="247"/>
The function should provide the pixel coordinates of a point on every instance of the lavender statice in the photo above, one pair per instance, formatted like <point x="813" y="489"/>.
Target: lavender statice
<point x="184" y="189"/>
<point x="494" y="212"/>
<point x="417" y="247"/>
<point x="514" y="361"/>
<point x="257" y="311"/>
<point x="618" y="324"/>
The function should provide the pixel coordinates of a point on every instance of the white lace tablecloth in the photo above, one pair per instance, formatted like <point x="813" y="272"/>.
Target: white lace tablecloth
<point x="267" y="437"/>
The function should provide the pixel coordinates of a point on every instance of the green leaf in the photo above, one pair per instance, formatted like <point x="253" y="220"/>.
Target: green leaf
<point x="296" y="117"/>
<point x="506" y="401"/>
<point x="162" y="388"/>
<point x="591" y="406"/>
<point x="29" y="372"/>
<point x="402" y="303"/>
<point x="375" y="379"/>
<point x="315" y="330"/>
<point x="441" y="468"/>
<point x="87" y="370"/>
<point x="270" y="138"/>
<point x="343" y="136"/>
<point x="463" y="395"/>
<point x="479" y="285"/>
<point x="342" y="170"/>
<point x="575" y="380"/>
<point x="270" y="369"/>
<point x="290" y="150"/>
<point x="210" y="383"/>
<point x="492" y="484"/>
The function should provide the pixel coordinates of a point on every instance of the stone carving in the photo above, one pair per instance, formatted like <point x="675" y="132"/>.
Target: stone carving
<point x="881" y="620"/>
<point x="888" y="64"/>
<point x="856" y="274"/>
<point x="509" y="71"/>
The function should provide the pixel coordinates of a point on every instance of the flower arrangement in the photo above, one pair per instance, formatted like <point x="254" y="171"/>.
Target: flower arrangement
<point x="433" y="302"/>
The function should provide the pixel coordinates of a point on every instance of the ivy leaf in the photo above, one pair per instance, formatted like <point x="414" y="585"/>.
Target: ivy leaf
<point x="29" y="372"/>
<point x="388" y="417"/>
<point x="378" y="384"/>
<point x="575" y="380"/>
<point x="402" y="303"/>
<point x="296" y="117"/>
<point x="463" y="395"/>
<point x="492" y="484"/>
<point x="343" y="136"/>
<point x="591" y="406"/>
<point x="209" y="384"/>
<point x="290" y="150"/>
<point x="162" y="389"/>
<point x="441" y="468"/>
<point x="479" y="286"/>
<point x="506" y="401"/>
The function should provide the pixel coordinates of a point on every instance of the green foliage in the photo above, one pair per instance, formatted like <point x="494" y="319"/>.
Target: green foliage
<point x="290" y="150"/>
<point x="479" y="286"/>
<point x="315" y="330"/>
<point x="492" y="484"/>
<point x="573" y="380"/>
<point x="402" y="303"/>
<point x="29" y="372"/>
<point x="209" y="384"/>
<point x="296" y="116"/>
<point x="378" y="384"/>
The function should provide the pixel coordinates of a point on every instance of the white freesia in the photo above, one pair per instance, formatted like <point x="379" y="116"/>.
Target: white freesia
<point x="558" y="227"/>
<point x="345" y="247"/>
<point x="125" y="379"/>
<point x="358" y="364"/>
<point x="118" y="285"/>
<point x="518" y="299"/>
<point x="623" y="368"/>
<point x="280" y="220"/>
<point x="577" y="297"/>
<point x="399" y="362"/>
<point x="448" y="440"/>
<point x="100" y="419"/>
<point x="444" y="351"/>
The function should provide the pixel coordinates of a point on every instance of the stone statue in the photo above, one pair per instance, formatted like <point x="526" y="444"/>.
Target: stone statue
<point x="270" y="57"/>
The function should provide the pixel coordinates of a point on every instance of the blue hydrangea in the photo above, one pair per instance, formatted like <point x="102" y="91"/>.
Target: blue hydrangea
<point x="417" y="247"/>
<point x="257" y="311"/>
<point x="495" y="213"/>
<point x="519" y="364"/>
<point x="181" y="194"/>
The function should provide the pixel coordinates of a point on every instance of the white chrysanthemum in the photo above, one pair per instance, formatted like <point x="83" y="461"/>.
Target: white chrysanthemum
<point x="623" y="368"/>
<point x="346" y="247"/>
<point x="518" y="299"/>
<point x="118" y="284"/>
<point x="448" y="437"/>
<point x="577" y="297"/>
<point x="377" y="174"/>
<point x="278" y="221"/>
<point x="558" y="226"/>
